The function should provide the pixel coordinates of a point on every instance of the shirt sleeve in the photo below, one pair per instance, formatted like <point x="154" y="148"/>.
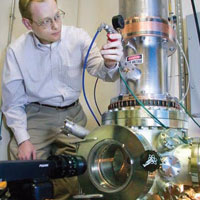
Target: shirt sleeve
<point x="14" y="97"/>
<point x="95" y="62"/>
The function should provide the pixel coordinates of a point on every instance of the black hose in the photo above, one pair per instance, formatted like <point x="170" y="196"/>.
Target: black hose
<point x="196" y="19"/>
<point x="95" y="99"/>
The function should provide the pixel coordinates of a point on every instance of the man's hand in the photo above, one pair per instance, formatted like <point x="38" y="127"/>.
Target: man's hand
<point x="113" y="50"/>
<point x="26" y="151"/>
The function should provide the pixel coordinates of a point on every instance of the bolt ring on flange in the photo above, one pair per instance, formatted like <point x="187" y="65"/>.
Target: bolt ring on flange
<point x="150" y="26"/>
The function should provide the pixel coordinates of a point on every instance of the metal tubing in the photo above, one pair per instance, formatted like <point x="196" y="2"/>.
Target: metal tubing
<point x="154" y="67"/>
<point x="144" y="8"/>
<point x="148" y="32"/>
<point x="182" y="79"/>
<point x="12" y="18"/>
<point x="74" y="129"/>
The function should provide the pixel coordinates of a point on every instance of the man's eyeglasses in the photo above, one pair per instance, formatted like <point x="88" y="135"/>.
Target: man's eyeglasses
<point x="48" y="22"/>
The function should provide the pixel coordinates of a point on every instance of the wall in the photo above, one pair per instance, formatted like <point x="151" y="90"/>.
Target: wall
<point x="87" y="14"/>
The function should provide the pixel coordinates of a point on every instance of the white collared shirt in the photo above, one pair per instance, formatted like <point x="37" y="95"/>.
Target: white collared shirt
<point x="49" y="74"/>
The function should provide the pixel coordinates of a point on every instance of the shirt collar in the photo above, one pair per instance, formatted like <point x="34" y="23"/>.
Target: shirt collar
<point x="41" y="46"/>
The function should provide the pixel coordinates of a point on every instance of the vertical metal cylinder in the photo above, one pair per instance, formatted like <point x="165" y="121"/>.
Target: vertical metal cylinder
<point x="153" y="81"/>
<point x="147" y="32"/>
<point x="145" y="8"/>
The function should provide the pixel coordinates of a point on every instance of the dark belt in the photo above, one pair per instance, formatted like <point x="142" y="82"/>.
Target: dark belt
<point x="57" y="107"/>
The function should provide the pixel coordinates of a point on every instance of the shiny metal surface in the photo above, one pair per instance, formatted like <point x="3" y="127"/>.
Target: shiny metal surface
<point x="158" y="8"/>
<point x="128" y="97"/>
<point x="195" y="162"/>
<point x="170" y="166"/>
<point x="88" y="196"/>
<point x="169" y="139"/>
<point x="138" y="117"/>
<point x="113" y="164"/>
<point x="114" y="151"/>
<point x="147" y="35"/>
<point x="74" y="129"/>
<point x="183" y="154"/>
<point x="154" y="72"/>
<point x="150" y="134"/>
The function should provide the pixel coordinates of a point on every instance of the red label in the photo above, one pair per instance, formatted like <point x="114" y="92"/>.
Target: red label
<point x="135" y="59"/>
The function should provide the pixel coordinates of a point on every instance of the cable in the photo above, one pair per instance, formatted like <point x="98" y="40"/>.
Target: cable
<point x="196" y="20"/>
<point x="95" y="99"/>
<point x="118" y="21"/>
<point x="143" y="106"/>
<point x="188" y="69"/>
<point x="189" y="114"/>
<point x="188" y="86"/>
<point x="83" y="79"/>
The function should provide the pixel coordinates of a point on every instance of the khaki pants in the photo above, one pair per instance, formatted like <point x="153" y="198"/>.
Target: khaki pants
<point x="44" y="125"/>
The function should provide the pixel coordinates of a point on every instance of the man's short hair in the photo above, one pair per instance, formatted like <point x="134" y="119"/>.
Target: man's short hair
<point x="24" y="7"/>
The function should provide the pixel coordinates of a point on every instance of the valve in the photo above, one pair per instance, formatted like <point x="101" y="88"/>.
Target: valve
<point x="118" y="24"/>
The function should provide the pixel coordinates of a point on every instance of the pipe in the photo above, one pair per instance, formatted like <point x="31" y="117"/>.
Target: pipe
<point x="74" y="129"/>
<point x="12" y="18"/>
<point x="182" y="79"/>
<point x="146" y="28"/>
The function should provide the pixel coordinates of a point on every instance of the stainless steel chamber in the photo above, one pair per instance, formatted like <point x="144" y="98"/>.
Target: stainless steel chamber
<point x="137" y="154"/>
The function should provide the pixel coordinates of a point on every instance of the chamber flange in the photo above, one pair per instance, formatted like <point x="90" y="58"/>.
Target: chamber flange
<point x="114" y="169"/>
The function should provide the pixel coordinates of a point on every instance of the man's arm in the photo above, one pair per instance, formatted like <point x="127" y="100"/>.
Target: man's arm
<point x="14" y="100"/>
<point x="104" y="64"/>
<point x="112" y="51"/>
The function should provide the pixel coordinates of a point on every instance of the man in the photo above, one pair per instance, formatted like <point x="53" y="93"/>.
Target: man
<point x="42" y="82"/>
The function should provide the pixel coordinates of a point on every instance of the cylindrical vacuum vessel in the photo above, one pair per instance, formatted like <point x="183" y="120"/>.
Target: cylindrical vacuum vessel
<point x="124" y="155"/>
<point x="148" y="40"/>
<point x="147" y="35"/>
<point x="143" y="8"/>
